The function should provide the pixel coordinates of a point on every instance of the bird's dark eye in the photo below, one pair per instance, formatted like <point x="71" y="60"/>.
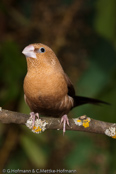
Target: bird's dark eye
<point x="42" y="50"/>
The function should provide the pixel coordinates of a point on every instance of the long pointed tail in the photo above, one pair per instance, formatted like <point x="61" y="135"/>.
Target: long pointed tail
<point x="78" y="100"/>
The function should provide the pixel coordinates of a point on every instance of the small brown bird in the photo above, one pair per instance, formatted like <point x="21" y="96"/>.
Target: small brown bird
<point x="47" y="89"/>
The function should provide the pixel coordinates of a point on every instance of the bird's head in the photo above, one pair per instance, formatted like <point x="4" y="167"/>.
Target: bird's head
<point x="40" y="56"/>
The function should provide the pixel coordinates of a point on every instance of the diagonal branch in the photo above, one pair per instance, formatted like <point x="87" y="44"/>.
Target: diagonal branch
<point x="83" y="123"/>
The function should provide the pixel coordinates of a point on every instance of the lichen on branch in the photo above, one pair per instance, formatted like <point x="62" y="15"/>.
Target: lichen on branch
<point x="82" y="123"/>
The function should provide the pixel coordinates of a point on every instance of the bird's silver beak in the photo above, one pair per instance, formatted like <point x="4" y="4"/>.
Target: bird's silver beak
<point x="29" y="51"/>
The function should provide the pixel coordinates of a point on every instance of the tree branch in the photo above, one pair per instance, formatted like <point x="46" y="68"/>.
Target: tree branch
<point x="82" y="123"/>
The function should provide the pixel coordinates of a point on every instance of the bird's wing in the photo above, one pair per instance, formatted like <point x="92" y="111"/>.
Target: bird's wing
<point x="71" y="90"/>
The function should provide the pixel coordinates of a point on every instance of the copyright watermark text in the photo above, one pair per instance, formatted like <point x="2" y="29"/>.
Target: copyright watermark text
<point x="13" y="171"/>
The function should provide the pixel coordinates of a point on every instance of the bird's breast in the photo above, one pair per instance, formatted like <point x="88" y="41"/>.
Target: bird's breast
<point x="48" y="94"/>
<point x="45" y="85"/>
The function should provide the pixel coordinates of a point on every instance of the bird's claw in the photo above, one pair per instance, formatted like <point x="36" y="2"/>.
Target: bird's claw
<point x="33" y="115"/>
<point x="65" y="121"/>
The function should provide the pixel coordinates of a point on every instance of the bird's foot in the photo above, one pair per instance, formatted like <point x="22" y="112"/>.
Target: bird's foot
<point x="33" y="115"/>
<point x="65" y="121"/>
<point x="36" y="124"/>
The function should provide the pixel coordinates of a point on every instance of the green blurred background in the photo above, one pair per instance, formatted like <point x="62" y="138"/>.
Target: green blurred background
<point x="83" y="35"/>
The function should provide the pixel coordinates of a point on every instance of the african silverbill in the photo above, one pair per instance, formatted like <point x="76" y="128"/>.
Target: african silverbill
<point x="47" y="88"/>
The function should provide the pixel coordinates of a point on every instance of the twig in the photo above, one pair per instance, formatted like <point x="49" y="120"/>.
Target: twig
<point x="82" y="123"/>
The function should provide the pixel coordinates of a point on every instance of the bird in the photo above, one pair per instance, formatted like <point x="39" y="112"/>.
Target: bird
<point x="47" y="88"/>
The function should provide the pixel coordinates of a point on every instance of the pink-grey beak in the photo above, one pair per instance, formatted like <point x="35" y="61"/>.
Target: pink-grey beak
<point x="29" y="51"/>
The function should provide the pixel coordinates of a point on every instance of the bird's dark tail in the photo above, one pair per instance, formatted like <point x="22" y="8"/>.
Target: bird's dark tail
<point x="78" y="100"/>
